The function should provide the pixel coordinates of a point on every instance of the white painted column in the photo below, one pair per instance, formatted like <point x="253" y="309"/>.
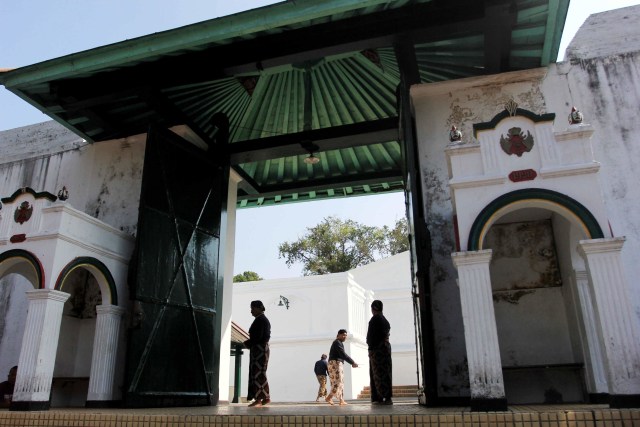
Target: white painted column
<point x="489" y="151"/>
<point x="38" y="352"/>
<point x="595" y="373"/>
<point x="480" y="330"/>
<point x="615" y="319"/>
<point x="228" y="242"/>
<point x="547" y="143"/>
<point x="105" y="348"/>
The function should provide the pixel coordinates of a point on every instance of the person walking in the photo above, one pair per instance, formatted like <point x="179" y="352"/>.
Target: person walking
<point x="380" y="373"/>
<point x="337" y="357"/>
<point x="258" y="345"/>
<point x="320" y="369"/>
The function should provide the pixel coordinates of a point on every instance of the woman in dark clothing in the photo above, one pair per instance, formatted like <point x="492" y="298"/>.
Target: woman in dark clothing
<point x="258" y="345"/>
<point x="337" y="356"/>
<point x="379" y="356"/>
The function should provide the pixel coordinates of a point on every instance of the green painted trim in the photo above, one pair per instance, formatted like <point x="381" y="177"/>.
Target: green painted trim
<point x="491" y="124"/>
<point x="191" y="37"/>
<point x="20" y="191"/>
<point x="557" y="15"/>
<point x="572" y="205"/>
<point x="30" y="258"/>
<point x="82" y="261"/>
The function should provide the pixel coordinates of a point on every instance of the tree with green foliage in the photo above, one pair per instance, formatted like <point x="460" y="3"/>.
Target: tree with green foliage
<point x="247" y="276"/>
<point x="335" y="245"/>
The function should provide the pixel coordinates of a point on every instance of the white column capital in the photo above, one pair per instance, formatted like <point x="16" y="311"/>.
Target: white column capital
<point x="471" y="257"/>
<point x="49" y="294"/>
<point x="581" y="274"/>
<point x="110" y="309"/>
<point x="595" y="246"/>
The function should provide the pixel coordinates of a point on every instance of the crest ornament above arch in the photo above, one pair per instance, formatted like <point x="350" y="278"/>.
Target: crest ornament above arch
<point x="510" y="112"/>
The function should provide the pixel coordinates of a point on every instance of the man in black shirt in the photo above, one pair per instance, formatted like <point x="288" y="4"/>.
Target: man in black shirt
<point x="337" y="356"/>
<point x="258" y="345"/>
<point x="320" y="369"/>
<point x="6" y="388"/>
<point x="379" y="356"/>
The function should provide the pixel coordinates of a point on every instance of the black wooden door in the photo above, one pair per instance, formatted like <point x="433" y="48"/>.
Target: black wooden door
<point x="419" y="235"/>
<point x="174" y="338"/>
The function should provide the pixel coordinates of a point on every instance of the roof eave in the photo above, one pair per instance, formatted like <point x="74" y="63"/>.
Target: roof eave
<point x="188" y="37"/>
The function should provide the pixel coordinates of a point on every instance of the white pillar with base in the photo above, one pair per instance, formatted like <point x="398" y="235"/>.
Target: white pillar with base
<point x="103" y="361"/>
<point x="480" y="330"/>
<point x="595" y="373"/>
<point x="616" y="321"/>
<point x="38" y="352"/>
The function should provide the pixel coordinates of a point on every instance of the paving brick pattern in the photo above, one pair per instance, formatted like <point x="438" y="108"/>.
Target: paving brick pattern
<point x="356" y="414"/>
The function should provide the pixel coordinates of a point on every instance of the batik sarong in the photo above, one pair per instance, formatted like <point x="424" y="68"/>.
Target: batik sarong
<point x="380" y="372"/>
<point x="258" y="362"/>
<point x="322" y="389"/>
<point x="336" y="376"/>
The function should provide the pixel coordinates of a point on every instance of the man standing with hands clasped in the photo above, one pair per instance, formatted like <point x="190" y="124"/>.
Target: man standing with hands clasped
<point x="379" y="356"/>
<point x="337" y="356"/>
<point x="258" y="345"/>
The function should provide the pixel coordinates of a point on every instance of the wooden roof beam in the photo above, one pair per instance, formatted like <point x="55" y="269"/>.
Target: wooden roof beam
<point x="326" y="183"/>
<point x="500" y="18"/>
<point x="294" y="144"/>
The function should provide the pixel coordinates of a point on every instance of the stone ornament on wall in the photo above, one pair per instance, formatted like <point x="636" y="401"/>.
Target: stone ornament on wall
<point x="23" y="212"/>
<point x="516" y="142"/>
<point x="575" y="117"/>
<point x="455" y="135"/>
<point x="511" y="107"/>
<point x="63" y="194"/>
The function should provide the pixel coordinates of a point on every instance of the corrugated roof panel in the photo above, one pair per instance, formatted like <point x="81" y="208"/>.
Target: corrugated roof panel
<point x="264" y="97"/>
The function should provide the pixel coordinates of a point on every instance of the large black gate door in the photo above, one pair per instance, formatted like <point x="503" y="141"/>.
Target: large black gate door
<point x="173" y="345"/>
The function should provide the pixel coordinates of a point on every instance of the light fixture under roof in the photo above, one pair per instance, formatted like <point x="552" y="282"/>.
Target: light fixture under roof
<point x="311" y="160"/>
<point x="311" y="148"/>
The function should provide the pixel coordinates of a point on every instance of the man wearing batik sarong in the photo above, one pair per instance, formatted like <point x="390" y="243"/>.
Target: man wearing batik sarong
<point x="379" y="356"/>
<point x="337" y="357"/>
<point x="258" y="345"/>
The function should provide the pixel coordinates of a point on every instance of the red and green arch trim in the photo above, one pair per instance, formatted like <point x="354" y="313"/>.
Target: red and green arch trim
<point x="483" y="220"/>
<point x="491" y="124"/>
<point x="20" y="191"/>
<point x="81" y="262"/>
<point x="29" y="258"/>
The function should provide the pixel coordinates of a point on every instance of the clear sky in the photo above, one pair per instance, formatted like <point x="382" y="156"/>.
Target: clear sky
<point x="33" y="31"/>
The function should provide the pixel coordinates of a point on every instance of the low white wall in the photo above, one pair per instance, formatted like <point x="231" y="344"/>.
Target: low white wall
<point x="318" y="307"/>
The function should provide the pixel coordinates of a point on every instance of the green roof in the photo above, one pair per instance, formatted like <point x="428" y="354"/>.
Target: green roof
<point x="293" y="78"/>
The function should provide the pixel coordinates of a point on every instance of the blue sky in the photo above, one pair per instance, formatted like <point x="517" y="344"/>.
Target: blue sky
<point x="32" y="31"/>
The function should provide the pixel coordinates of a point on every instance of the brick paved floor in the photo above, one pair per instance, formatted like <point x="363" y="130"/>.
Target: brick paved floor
<point x="404" y="413"/>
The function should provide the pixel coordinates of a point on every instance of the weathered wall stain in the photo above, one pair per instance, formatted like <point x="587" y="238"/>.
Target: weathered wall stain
<point x="510" y="297"/>
<point x="85" y="295"/>
<point x="456" y="372"/>
<point x="524" y="255"/>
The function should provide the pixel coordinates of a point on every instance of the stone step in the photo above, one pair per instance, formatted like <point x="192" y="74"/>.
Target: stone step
<point x="398" y="391"/>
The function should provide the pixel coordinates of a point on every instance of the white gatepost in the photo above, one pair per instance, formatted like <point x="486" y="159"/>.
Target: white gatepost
<point x="227" y="241"/>
<point x="103" y="360"/>
<point x="595" y="373"/>
<point x="38" y="352"/>
<point x="617" y="323"/>
<point x="480" y="331"/>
